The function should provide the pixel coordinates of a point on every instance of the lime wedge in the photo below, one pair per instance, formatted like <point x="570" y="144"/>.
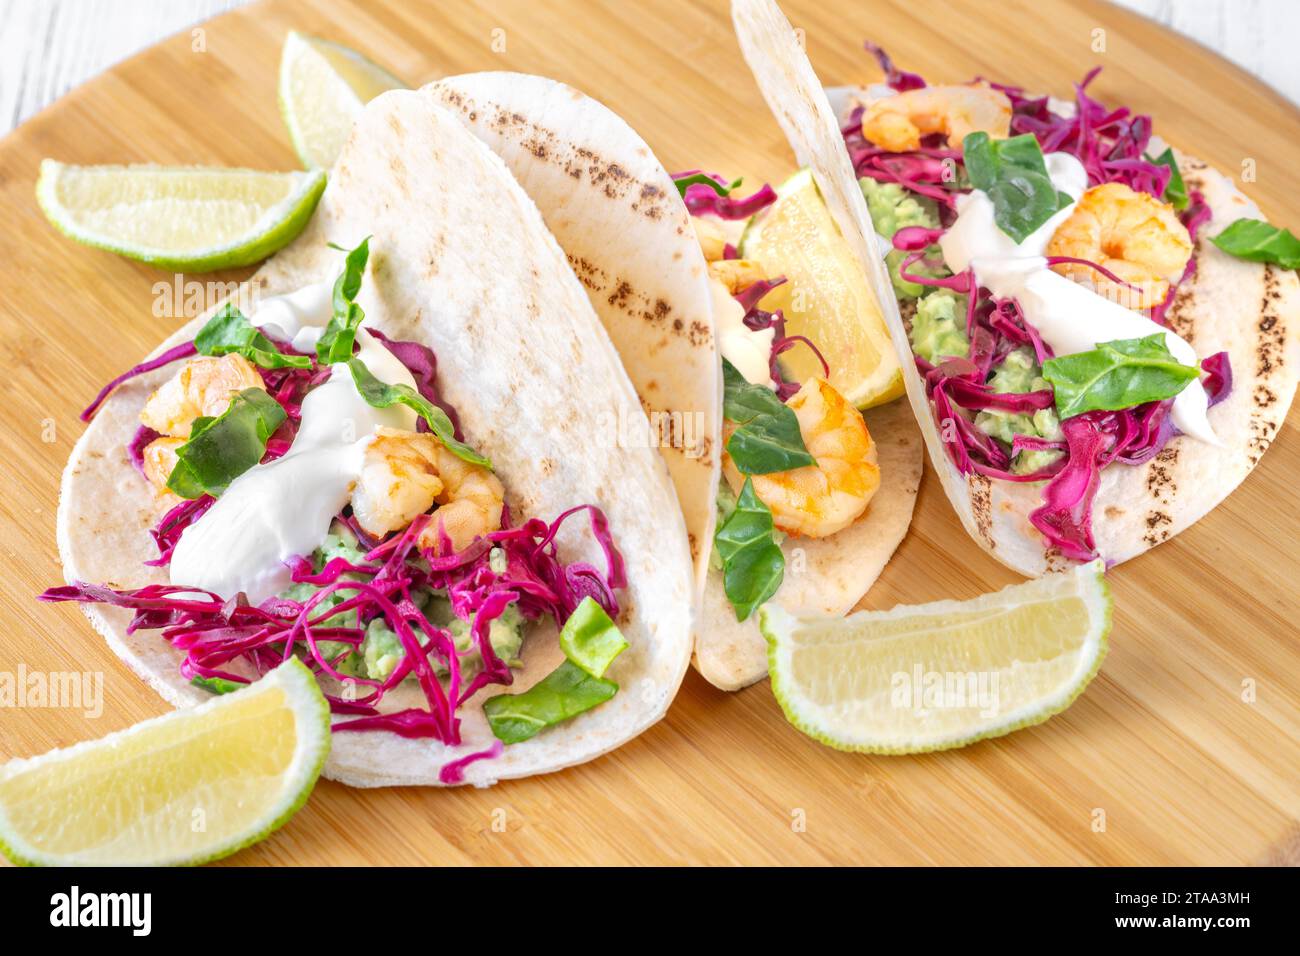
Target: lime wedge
<point x="827" y="297"/>
<point x="184" y="218"/>
<point x="942" y="675"/>
<point x="190" y="786"/>
<point x="323" y="86"/>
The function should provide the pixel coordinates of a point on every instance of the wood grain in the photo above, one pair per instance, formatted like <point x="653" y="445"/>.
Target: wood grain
<point x="1163" y="744"/>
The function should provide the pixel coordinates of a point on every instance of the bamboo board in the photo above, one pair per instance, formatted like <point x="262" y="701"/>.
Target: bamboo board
<point x="1165" y="759"/>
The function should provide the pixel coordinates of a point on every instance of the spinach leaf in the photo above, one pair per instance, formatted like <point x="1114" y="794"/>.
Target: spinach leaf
<point x="1014" y="175"/>
<point x="223" y="448"/>
<point x="217" y="685"/>
<point x="768" y="438"/>
<point x="590" y="639"/>
<point x="1117" y="375"/>
<point x="381" y="395"/>
<point x="335" y="343"/>
<point x="563" y="693"/>
<point x="752" y="563"/>
<point x="700" y="179"/>
<point x="1175" y="189"/>
<point x="1257" y="241"/>
<point x="230" y="331"/>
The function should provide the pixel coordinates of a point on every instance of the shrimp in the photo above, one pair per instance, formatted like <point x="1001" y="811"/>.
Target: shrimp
<point x="203" y="387"/>
<point x="405" y="473"/>
<point x="1132" y="234"/>
<point x="897" y="123"/>
<point x="399" y="480"/>
<point x="736" y="274"/>
<point x="821" y="499"/>
<point x="469" y="505"/>
<point x="159" y="459"/>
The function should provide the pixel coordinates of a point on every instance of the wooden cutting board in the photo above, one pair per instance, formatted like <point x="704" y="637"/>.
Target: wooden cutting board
<point x="1185" y="750"/>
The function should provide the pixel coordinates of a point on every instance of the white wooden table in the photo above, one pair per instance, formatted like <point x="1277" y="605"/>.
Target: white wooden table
<point x="49" y="46"/>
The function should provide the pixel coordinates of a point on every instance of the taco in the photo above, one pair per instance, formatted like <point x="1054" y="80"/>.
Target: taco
<point x="382" y="469"/>
<point x="1095" y="326"/>
<point x="680" y="311"/>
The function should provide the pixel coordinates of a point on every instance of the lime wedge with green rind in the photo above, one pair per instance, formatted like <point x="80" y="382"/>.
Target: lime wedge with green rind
<point x="181" y="218"/>
<point x="323" y="87"/>
<point x="942" y="675"/>
<point x="188" y="787"/>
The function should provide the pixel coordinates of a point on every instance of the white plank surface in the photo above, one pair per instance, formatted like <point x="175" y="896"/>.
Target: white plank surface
<point x="49" y="46"/>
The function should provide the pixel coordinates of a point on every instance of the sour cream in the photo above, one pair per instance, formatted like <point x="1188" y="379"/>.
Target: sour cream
<point x="299" y="317"/>
<point x="283" y="508"/>
<point x="749" y="351"/>
<point x="1069" y="316"/>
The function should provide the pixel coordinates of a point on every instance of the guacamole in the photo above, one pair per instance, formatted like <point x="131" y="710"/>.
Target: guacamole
<point x="892" y="208"/>
<point x="1020" y="372"/>
<point x="939" y="327"/>
<point x="381" y="650"/>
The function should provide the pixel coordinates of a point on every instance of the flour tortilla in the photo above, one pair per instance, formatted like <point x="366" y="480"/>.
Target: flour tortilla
<point x="627" y="234"/>
<point x="617" y="214"/>
<point x="461" y="261"/>
<point x="1251" y="310"/>
<point x="822" y="575"/>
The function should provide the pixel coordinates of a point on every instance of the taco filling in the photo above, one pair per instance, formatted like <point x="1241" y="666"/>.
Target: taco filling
<point x="319" y="499"/>
<point x="797" y="458"/>
<point x="1036" y="248"/>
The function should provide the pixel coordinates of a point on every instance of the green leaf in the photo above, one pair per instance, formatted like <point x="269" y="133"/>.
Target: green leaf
<point x="590" y="639"/>
<point x="1175" y="189"/>
<point x="1117" y="375"/>
<point x="768" y="439"/>
<point x="1014" y="175"/>
<point x="217" y="685"/>
<point x="335" y="343"/>
<point x="382" y="395"/>
<point x="700" y="179"/>
<point x="230" y="331"/>
<point x="223" y="448"/>
<point x="752" y="563"/>
<point x="1257" y="241"/>
<point x="563" y="693"/>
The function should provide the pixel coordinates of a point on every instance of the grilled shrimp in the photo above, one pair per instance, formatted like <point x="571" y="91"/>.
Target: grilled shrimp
<point x="1132" y="234"/>
<point x="399" y="480"/>
<point x="469" y="504"/>
<point x="821" y="499"/>
<point x="736" y="274"/>
<point x="897" y="123"/>
<point x="159" y="458"/>
<point x="203" y="387"/>
<point x="405" y="473"/>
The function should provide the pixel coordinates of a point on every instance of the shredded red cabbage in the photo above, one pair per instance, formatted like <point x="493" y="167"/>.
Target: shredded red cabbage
<point x="135" y="451"/>
<point x="454" y="772"/>
<point x="1218" y="377"/>
<point x="758" y="320"/>
<point x="173" y="354"/>
<point x="214" y="634"/>
<point x="167" y="533"/>
<point x="423" y="366"/>
<point x="701" y="200"/>
<point x="899" y="80"/>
